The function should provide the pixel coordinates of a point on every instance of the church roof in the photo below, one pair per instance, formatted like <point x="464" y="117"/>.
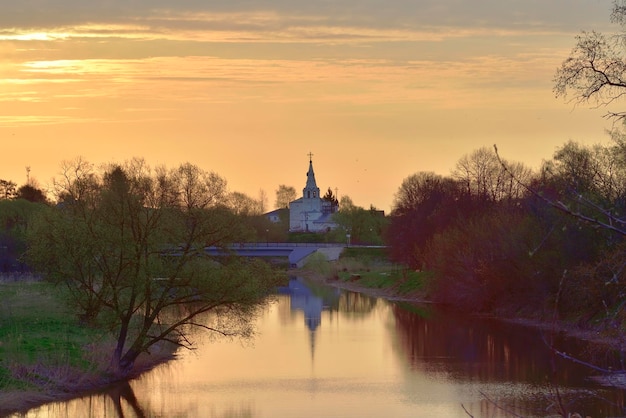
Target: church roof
<point x="310" y="177"/>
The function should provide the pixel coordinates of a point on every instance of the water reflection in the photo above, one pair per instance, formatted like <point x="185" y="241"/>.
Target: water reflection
<point x="322" y="352"/>
<point x="117" y="401"/>
<point x="123" y="391"/>
<point x="496" y="353"/>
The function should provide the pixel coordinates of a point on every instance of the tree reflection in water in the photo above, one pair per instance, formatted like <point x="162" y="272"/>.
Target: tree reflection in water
<point x="496" y="352"/>
<point x="124" y="391"/>
<point x="370" y="351"/>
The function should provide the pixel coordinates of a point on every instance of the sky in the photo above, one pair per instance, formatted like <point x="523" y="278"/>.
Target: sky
<point x="376" y="90"/>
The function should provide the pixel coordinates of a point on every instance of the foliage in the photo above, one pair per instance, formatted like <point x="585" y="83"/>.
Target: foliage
<point x="15" y="221"/>
<point x="310" y="237"/>
<point x="7" y="189"/>
<point x="598" y="290"/>
<point x="366" y="227"/>
<point x="31" y="193"/>
<point x="330" y="197"/>
<point x="425" y="204"/>
<point x="370" y="267"/>
<point x="402" y="280"/>
<point x="284" y="195"/>
<point x="128" y="244"/>
<point x="264" y="230"/>
<point x="244" y="205"/>
<point x="367" y="254"/>
<point x="319" y="264"/>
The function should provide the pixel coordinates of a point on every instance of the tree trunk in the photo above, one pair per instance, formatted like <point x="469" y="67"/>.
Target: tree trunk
<point x="117" y="368"/>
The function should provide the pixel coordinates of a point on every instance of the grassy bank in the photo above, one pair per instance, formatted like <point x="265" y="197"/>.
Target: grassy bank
<point x="46" y="354"/>
<point x="42" y="346"/>
<point x="369" y="268"/>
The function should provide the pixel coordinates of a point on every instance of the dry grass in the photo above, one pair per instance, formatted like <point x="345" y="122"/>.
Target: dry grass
<point x="45" y="355"/>
<point x="62" y="382"/>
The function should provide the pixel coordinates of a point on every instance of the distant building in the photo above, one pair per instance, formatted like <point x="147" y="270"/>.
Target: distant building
<point x="311" y="213"/>
<point x="275" y="216"/>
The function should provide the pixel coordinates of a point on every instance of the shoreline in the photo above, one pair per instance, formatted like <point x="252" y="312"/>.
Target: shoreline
<point x="20" y="402"/>
<point x="592" y="334"/>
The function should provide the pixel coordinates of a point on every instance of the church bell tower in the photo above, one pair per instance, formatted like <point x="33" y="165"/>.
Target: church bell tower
<point x="310" y="191"/>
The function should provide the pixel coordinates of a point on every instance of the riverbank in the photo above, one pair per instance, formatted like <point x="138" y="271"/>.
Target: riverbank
<point x="46" y="355"/>
<point x="21" y="401"/>
<point x="383" y="281"/>
<point x="587" y="331"/>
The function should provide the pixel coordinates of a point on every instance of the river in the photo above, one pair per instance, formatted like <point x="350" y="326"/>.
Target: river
<point x="321" y="352"/>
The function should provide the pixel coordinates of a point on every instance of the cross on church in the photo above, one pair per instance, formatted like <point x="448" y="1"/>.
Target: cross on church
<point x="310" y="156"/>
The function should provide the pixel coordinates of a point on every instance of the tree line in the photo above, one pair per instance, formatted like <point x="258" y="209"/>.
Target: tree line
<point x="500" y="237"/>
<point x="127" y="242"/>
<point x="492" y="235"/>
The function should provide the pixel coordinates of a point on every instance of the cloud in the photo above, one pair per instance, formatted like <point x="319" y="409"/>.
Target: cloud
<point x="19" y="121"/>
<point x="256" y="16"/>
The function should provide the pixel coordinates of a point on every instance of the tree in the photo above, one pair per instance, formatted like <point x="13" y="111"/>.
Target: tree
<point x="199" y="189"/>
<point x="16" y="217"/>
<point x="486" y="180"/>
<point x="31" y="193"/>
<point x="364" y="226"/>
<point x="595" y="70"/>
<point x="242" y="204"/>
<point x="330" y="197"/>
<point x="128" y="242"/>
<point x="262" y="201"/>
<point x="284" y="195"/>
<point x="425" y="203"/>
<point x="7" y="189"/>
<point x="346" y="203"/>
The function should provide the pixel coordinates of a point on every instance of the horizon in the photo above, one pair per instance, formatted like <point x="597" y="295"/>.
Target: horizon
<point x="246" y="89"/>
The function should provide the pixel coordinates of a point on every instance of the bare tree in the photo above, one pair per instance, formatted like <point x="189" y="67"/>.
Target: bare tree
<point x="595" y="70"/>
<point x="483" y="176"/>
<point x="198" y="188"/>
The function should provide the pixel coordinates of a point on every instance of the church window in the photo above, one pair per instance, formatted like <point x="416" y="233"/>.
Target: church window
<point x="308" y="194"/>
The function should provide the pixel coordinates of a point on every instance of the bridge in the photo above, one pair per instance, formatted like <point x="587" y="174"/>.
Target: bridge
<point x="296" y="253"/>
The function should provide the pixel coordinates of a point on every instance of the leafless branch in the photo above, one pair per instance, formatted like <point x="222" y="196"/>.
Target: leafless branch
<point x="567" y="210"/>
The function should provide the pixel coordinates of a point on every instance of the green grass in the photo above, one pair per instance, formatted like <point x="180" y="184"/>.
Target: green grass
<point x="369" y="267"/>
<point x="402" y="280"/>
<point x="37" y="328"/>
<point x="367" y="254"/>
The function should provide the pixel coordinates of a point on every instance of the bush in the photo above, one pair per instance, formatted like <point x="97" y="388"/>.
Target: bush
<point x="487" y="263"/>
<point x="597" y="290"/>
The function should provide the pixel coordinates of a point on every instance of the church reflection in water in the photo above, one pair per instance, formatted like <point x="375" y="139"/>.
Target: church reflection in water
<point x="361" y="348"/>
<point x="302" y="298"/>
<point x="312" y="300"/>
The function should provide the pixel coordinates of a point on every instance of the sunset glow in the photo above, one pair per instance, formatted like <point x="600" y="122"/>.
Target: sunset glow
<point x="247" y="89"/>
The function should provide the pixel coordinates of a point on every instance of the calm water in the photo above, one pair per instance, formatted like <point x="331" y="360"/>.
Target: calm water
<point x="325" y="353"/>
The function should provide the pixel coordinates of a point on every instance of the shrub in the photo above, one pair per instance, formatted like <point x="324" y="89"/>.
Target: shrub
<point x="486" y="263"/>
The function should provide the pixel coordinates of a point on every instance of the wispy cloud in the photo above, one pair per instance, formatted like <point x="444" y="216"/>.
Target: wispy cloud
<point x="19" y="121"/>
<point x="262" y="13"/>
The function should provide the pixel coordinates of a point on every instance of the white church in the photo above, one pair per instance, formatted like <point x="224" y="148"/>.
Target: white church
<point x="311" y="213"/>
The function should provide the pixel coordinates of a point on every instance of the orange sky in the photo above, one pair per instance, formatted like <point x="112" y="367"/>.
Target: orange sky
<point x="377" y="90"/>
